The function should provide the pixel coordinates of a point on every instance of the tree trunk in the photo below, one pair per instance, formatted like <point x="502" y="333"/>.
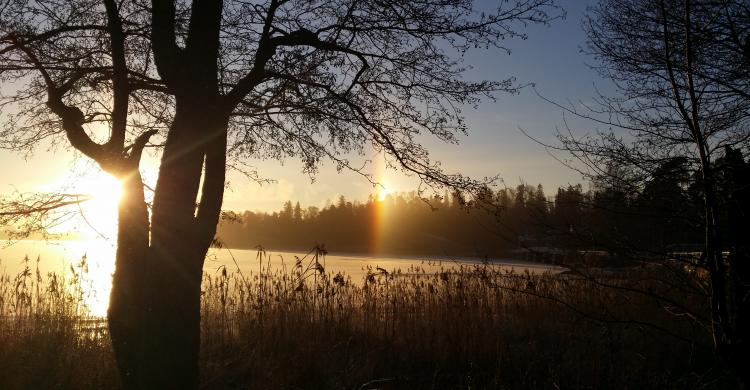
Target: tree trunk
<point x="156" y="331"/>
<point x="738" y="183"/>
<point x="730" y="294"/>
<point x="716" y="267"/>
<point x="171" y="347"/>
<point x="125" y="313"/>
<point x="155" y="319"/>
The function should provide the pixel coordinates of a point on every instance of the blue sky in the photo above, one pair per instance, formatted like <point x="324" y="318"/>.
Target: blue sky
<point x="550" y="58"/>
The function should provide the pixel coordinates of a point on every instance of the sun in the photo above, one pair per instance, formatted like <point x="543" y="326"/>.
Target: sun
<point x="383" y="190"/>
<point x="94" y="218"/>
<point x="99" y="212"/>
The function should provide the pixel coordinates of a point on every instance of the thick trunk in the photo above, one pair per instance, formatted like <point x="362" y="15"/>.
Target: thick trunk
<point x="155" y="326"/>
<point x="730" y="294"/>
<point x="738" y="175"/>
<point x="716" y="268"/>
<point x="126" y="300"/>
<point x="171" y="342"/>
<point x="720" y="322"/>
<point x="155" y="319"/>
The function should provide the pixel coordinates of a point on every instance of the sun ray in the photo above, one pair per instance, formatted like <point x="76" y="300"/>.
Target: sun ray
<point x="383" y="189"/>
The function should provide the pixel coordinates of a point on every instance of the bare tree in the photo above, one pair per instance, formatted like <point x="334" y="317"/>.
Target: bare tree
<point x="681" y="72"/>
<point x="219" y="83"/>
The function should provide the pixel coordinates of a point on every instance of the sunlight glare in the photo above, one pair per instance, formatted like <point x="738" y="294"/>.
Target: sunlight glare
<point x="94" y="272"/>
<point x="99" y="213"/>
<point x="94" y="229"/>
<point x="98" y="226"/>
<point x="383" y="190"/>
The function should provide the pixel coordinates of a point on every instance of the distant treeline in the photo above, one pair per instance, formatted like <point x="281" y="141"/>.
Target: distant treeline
<point x="660" y="214"/>
<point x="398" y="224"/>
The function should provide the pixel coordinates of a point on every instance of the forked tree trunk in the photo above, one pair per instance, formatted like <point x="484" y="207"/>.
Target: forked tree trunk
<point x="157" y="342"/>
<point x="154" y="310"/>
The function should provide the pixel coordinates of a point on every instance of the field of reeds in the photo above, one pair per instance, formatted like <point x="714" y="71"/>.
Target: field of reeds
<point x="470" y="327"/>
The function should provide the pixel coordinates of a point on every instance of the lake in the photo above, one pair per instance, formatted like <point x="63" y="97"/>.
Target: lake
<point x="62" y="257"/>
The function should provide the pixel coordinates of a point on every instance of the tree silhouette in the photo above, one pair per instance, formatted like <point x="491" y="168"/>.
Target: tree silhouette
<point x="213" y="83"/>
<point x="680" y="67"/>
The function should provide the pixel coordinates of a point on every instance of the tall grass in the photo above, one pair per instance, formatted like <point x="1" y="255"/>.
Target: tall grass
<point x="299" y="326"/>
<point x="48" y="339"/>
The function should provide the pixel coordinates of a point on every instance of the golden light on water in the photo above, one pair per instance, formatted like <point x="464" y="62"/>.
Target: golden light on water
<point x="93" y="224"/>
<point x="98" y="226"/>
<point x="95" y="274"/>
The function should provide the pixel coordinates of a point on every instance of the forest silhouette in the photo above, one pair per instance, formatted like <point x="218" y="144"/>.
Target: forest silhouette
<point x="613" y="214"/>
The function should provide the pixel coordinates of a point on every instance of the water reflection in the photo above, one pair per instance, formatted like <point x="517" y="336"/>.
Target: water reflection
<point x="93" y="263"/>
<point x="90" y="261"/>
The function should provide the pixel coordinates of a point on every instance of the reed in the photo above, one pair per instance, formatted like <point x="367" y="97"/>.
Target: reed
<point x="462" y="327"/>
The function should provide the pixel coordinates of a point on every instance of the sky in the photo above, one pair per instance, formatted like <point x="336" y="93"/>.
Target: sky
<point x="550" y="58"/>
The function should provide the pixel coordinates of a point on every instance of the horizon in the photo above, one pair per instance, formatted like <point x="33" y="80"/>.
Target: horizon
<point x="524" y="194"/>
<point x="494" y="145"/>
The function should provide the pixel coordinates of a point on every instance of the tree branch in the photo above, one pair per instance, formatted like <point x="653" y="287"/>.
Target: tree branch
<point x="120" y="86"/>
<point x="167" y="54"/>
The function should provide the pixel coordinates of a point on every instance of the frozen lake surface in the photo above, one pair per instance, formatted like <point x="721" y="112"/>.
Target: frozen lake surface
<point x="60" y="256"/>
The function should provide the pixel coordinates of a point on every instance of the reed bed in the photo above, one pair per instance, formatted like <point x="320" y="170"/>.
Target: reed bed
<point x="48" y="339"/>
<point x="471" y="327"/>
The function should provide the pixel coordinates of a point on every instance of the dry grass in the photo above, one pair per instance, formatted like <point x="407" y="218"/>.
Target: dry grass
<point x="47" y="338"/>
<point x="470" y="327"/>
